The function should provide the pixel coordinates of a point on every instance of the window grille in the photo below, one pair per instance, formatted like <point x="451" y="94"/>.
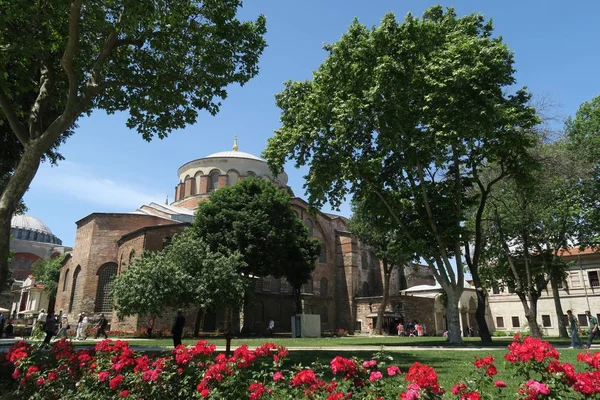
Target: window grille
<point x="103" y="297"/>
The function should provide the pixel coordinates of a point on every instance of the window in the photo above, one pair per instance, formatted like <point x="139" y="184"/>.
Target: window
<point x="307" y="287"/>
<point x="106" y="274"/>
<point x="232" y="177"/>
<point x="258" y="284"/>
<point x="546" y="322"/>
<point x="323" y="254"/>
<point x="515" y="322"/>
<point x="66" y="280"/>
<point x="285" y="286"/>
<point x="276" y="285"/>
<point x="500" y="322"/>
<point x="593" y="277"/>
<point x="74" y="287"/>
<point x="213" y="183"/>
<point x="583" y="321"/>
<point x="358" y="326"/>
<point x="495" y="288"/>
<point x="266" y="284"/>
<point x="365" y="289"/>
<point x="364" y="260"/>
<point x="575" y="281"/>
<point x="309" y="226"/>
<point x="323" y="287"/>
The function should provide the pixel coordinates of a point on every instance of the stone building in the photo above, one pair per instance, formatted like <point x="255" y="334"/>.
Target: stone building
<point x="580" y="291"/>
<point x="31" y="240"/>
<point x="105" y="244"/>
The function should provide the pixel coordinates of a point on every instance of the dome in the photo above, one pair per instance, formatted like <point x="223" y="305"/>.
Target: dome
<point x="234" y="154"/>
<point x="27" y="227"/>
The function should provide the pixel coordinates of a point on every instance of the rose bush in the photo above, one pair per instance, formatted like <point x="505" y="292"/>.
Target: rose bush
<point x="112" y="370"/>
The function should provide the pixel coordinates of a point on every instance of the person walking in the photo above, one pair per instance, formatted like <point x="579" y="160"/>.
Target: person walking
<point x="101" y="327"/>
<point x="49" y="328"/>
<point x="177" y="329"/>
<point x="64" y="328"/>
<point x="150" y="327"/>
<point x="575" y="330"/>
<point x="594" y="329"/>
<point x="271" y="326"/>
<point x="400" y="329"/>
<point x="78" y="333"/>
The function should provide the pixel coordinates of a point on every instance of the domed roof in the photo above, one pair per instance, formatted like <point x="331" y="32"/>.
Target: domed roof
<point x="26" y="227"/>
<point x="24" y="221"/>
<point x="234" y="154"/>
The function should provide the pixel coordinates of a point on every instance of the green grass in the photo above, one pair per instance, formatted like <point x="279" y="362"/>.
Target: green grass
<point x="350" y="341"/>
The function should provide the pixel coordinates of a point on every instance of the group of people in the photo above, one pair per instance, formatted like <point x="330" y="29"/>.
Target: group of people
<point x="576" y="330"/>
<point x="57" y="325"/>
<point x="412" y="329"/>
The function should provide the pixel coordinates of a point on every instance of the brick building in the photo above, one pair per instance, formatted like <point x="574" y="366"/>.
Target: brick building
<point x="105" y="244"/>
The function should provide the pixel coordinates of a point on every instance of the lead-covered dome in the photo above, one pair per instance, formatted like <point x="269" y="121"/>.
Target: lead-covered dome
<point x="27" y="227"/>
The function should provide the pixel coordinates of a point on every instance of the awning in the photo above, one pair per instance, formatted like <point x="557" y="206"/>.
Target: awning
<point x="386" y="315"/>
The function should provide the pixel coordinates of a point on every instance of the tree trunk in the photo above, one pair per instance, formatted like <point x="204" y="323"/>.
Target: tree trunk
<point x="484" y="331"/>
<point x="530" y="308"/>
<point x="228" y="330"/>
<point x="297" y="300"/>
<point x="562" y="329"/>
<point x="402" y="276"/>
<point x="248" y="327"/>
<point x="15" y="189"/>
<point x="453" y="318"/>
<point x="198" y="323"/>
<point x="384" y="300"/>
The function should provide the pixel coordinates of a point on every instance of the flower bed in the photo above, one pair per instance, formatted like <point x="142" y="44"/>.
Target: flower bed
<point x="112" y="370"/>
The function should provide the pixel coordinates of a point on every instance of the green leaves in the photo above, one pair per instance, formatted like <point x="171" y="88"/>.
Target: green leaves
<point x="48" y="273"/>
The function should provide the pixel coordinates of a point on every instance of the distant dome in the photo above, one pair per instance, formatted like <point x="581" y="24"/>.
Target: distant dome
<point x="234" y="154"/>
<point x="27" y="227"/>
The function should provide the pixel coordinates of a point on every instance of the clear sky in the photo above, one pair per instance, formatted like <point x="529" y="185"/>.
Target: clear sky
<point x="109" y="168"/>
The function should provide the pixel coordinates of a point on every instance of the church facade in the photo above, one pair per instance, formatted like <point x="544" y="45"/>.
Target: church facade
<point x="346" y="274"/>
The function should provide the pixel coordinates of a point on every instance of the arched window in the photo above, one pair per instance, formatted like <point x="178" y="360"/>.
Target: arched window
<point x="74" y="287"/>
<point x="324" y="287"/>
<point x="364" y="260"/>
<point x="323" y="253"/>
<point x="307" y="287"/>
<point x="365" y="289"/>
<point x="250" y="174"/>
<point x="232" y="177"/>
<point x="66" y="280"/>
<point x="106" y="274"/>
<point x="309" y="226"/>
<point x="213" y="183"/>
<point x="197" y="179"/>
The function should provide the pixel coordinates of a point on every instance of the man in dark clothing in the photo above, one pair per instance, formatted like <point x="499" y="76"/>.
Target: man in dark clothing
<point x="101" y="325"/>
<point x="177" y="329"/>
<point x="50" y="328"/>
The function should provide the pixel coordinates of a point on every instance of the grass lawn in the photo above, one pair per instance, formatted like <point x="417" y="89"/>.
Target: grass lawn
<point x="350" y="341"/>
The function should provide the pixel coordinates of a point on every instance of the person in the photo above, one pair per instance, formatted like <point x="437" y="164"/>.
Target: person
<point x="149" y="327"/>
<point x="271" y="326"/>
<point x="85" y="322"/>
<point x="400" y="329"/>
<point x="78" y="334"/>
<point x="419" y="329"/>
<point x="9" y="330"/>
<point x="470" y="330"/>
<point x="64" y="328"/>
<point x="594" y="329"/>
<point x="42" y="317"/>
<point x="49" y="328"/>
<point x="575" y="330"/>
<point x="177" y="329"/>
<point x="2" y="320"/>
<point x="370" y="329"/>
<point x="101" y="327"/>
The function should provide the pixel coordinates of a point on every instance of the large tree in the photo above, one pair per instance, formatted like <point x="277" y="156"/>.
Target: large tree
<point x="254" y="217"/>
<point x="531" y="221"/>
<point x="377" y="229"/>
<point x="412" y="112"/>
<point x="47" y="272"/>
<point x="161" y="60"/>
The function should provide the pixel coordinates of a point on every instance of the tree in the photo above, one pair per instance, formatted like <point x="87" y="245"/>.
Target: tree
<point x="531" y="221"/>
<point x="376" y="229"/>
<point x="411" y="112"/>
<point x="162" y="60"/>
<point x="184" y="274"/>
<point x="255" y="218"/>
<point x="48" y="273"/>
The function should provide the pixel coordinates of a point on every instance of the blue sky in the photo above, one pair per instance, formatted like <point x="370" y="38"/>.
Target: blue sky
<point x="109" y="168"/>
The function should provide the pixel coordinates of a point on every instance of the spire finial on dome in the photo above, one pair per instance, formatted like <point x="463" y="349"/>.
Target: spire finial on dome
<point x="235" y="145"/>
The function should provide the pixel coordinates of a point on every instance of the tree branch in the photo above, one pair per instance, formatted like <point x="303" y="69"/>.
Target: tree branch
<point x="69" y="54"/>
<point x="37" y="109"/>
<point x="6" y="106"/>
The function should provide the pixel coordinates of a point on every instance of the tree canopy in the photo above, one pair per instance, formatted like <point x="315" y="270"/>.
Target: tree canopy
<point x="411" y="112"/>
<point x="48" y="273"/>
<point x="254" y="217"/>
<point x="163" y="61"/>
<point x="186" y="273"/>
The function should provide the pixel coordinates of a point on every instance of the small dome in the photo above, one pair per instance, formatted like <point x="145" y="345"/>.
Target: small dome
<point x="30" y="228"/>
<point x="234" y="154"/>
